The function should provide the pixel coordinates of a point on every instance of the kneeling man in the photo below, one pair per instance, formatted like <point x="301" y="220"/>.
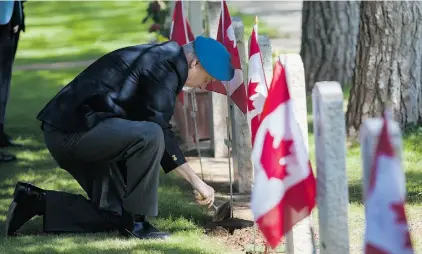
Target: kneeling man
<point x="109" y="128"/>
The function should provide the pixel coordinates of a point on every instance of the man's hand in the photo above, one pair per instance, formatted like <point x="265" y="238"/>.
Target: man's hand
<point x="204" y="196"/>
<point x="206" y="192"/>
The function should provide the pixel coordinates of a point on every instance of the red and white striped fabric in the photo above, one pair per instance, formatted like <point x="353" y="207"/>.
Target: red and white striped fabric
<point x="235" y="88"/>
<point x="180" y="32"/>
<point x="386" y="224"/>
<point x="284" y="190"/>
<point x="257" y="85"/>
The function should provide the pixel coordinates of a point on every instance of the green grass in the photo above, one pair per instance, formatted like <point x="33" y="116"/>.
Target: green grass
<point x="412" y="165"/>
<point x="83" y="30"/>
<point x="178" y="214"/>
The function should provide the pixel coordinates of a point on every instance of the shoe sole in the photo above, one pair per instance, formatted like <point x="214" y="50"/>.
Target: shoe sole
<point x="127" y="233"/>
<point x="11" y="210"/>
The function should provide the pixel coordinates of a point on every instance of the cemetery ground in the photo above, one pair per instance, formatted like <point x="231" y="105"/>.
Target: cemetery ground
<point x="83" y="32"/>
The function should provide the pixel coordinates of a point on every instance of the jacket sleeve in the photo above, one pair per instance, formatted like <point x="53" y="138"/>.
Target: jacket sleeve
<point x="160" y="108"/>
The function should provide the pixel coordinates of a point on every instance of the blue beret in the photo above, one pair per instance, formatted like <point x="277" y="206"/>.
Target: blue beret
<point x="214" y="57"/>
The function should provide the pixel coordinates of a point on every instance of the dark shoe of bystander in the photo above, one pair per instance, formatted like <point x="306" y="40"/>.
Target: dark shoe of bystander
<point x="6" y="157"/>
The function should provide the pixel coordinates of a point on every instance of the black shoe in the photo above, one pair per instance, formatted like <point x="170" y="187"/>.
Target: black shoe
<point x="6" y="140"/>
<point x="144" y="230"/>
<point x="6" y="157"/>
<point x="28" y="201"/>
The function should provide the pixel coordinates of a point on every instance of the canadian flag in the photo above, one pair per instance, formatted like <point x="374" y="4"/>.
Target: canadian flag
<point x="180" y="32"/>
<point x="284" y="190"/>
<point x="386" y="224"/>
<point x="235" y="88"/>
<point x="257" y="86"/>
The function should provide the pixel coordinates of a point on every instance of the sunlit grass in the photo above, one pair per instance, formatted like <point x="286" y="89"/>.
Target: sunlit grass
<point x="84" y="30"/>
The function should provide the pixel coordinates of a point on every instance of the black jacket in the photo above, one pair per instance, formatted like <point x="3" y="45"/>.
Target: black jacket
<point x="18" y="16"/>
<point x="138" y="83"/>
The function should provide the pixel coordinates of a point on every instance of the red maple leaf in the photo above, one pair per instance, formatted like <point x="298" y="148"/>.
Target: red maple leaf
<point x="398" y="209"/>
<point x="251" y="91"/>
<point x="271" y="157"/>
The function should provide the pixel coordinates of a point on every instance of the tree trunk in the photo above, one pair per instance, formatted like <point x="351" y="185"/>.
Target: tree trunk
<point x="388" y="64"/>
<point x="329" y="37"/>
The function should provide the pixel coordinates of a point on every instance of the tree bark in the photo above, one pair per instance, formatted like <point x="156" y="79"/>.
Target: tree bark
<point x="329" y="37"/>
<point x="388" y="64"/>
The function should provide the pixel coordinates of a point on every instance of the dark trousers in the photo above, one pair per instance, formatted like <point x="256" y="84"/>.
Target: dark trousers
<point x="8" y="47"/>
<point x="117" y="163"/>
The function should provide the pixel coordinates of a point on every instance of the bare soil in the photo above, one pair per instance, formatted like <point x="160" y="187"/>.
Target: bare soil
<point x="241" y="239"/>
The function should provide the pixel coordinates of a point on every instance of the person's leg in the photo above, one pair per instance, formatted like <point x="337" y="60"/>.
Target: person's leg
<point x="77" y="213"/>
<point x="135" y="150"/>
<point x="132" y="149"/>
<point x="8" y="48"/>
<point x="121" y="161"/>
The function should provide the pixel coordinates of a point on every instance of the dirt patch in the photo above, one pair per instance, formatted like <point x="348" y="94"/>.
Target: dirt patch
<point x="240" y="239"/>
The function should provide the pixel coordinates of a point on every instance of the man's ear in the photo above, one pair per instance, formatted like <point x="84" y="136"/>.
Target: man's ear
<point x="194" y="62"/>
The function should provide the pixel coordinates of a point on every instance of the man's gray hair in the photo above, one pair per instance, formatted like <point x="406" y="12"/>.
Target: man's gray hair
<point x="189" y="50"/>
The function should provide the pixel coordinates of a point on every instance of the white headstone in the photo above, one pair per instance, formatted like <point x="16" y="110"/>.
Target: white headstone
<point x="332" y="184"/>
<point x="242" y="144"/>
<point x="267" y="57"/>
<point x="218" y="102"/>
<point x="196" y="20"/>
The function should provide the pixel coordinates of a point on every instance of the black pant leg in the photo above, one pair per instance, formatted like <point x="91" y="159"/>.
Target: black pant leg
<point x="135" y="146"/>
<point x="8" y="45"/>
<point x="72" y="213"/>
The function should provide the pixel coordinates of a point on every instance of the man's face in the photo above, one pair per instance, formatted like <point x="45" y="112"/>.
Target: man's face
<point x="197" y="76"/>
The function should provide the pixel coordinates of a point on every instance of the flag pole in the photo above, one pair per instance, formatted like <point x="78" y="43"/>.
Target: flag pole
<point x="185" y="108"/>
<point x="184" y="22"/>
<point x="228" y="121"/>
<point x="194" y="102"/>
<point x="266" y="249"/>
<point x="256" y="26"/>
<point x="254" y="222"/>
<point x="194" y="110"/>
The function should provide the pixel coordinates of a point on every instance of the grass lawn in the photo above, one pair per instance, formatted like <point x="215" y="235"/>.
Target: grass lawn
<point x="73" y="31"/>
